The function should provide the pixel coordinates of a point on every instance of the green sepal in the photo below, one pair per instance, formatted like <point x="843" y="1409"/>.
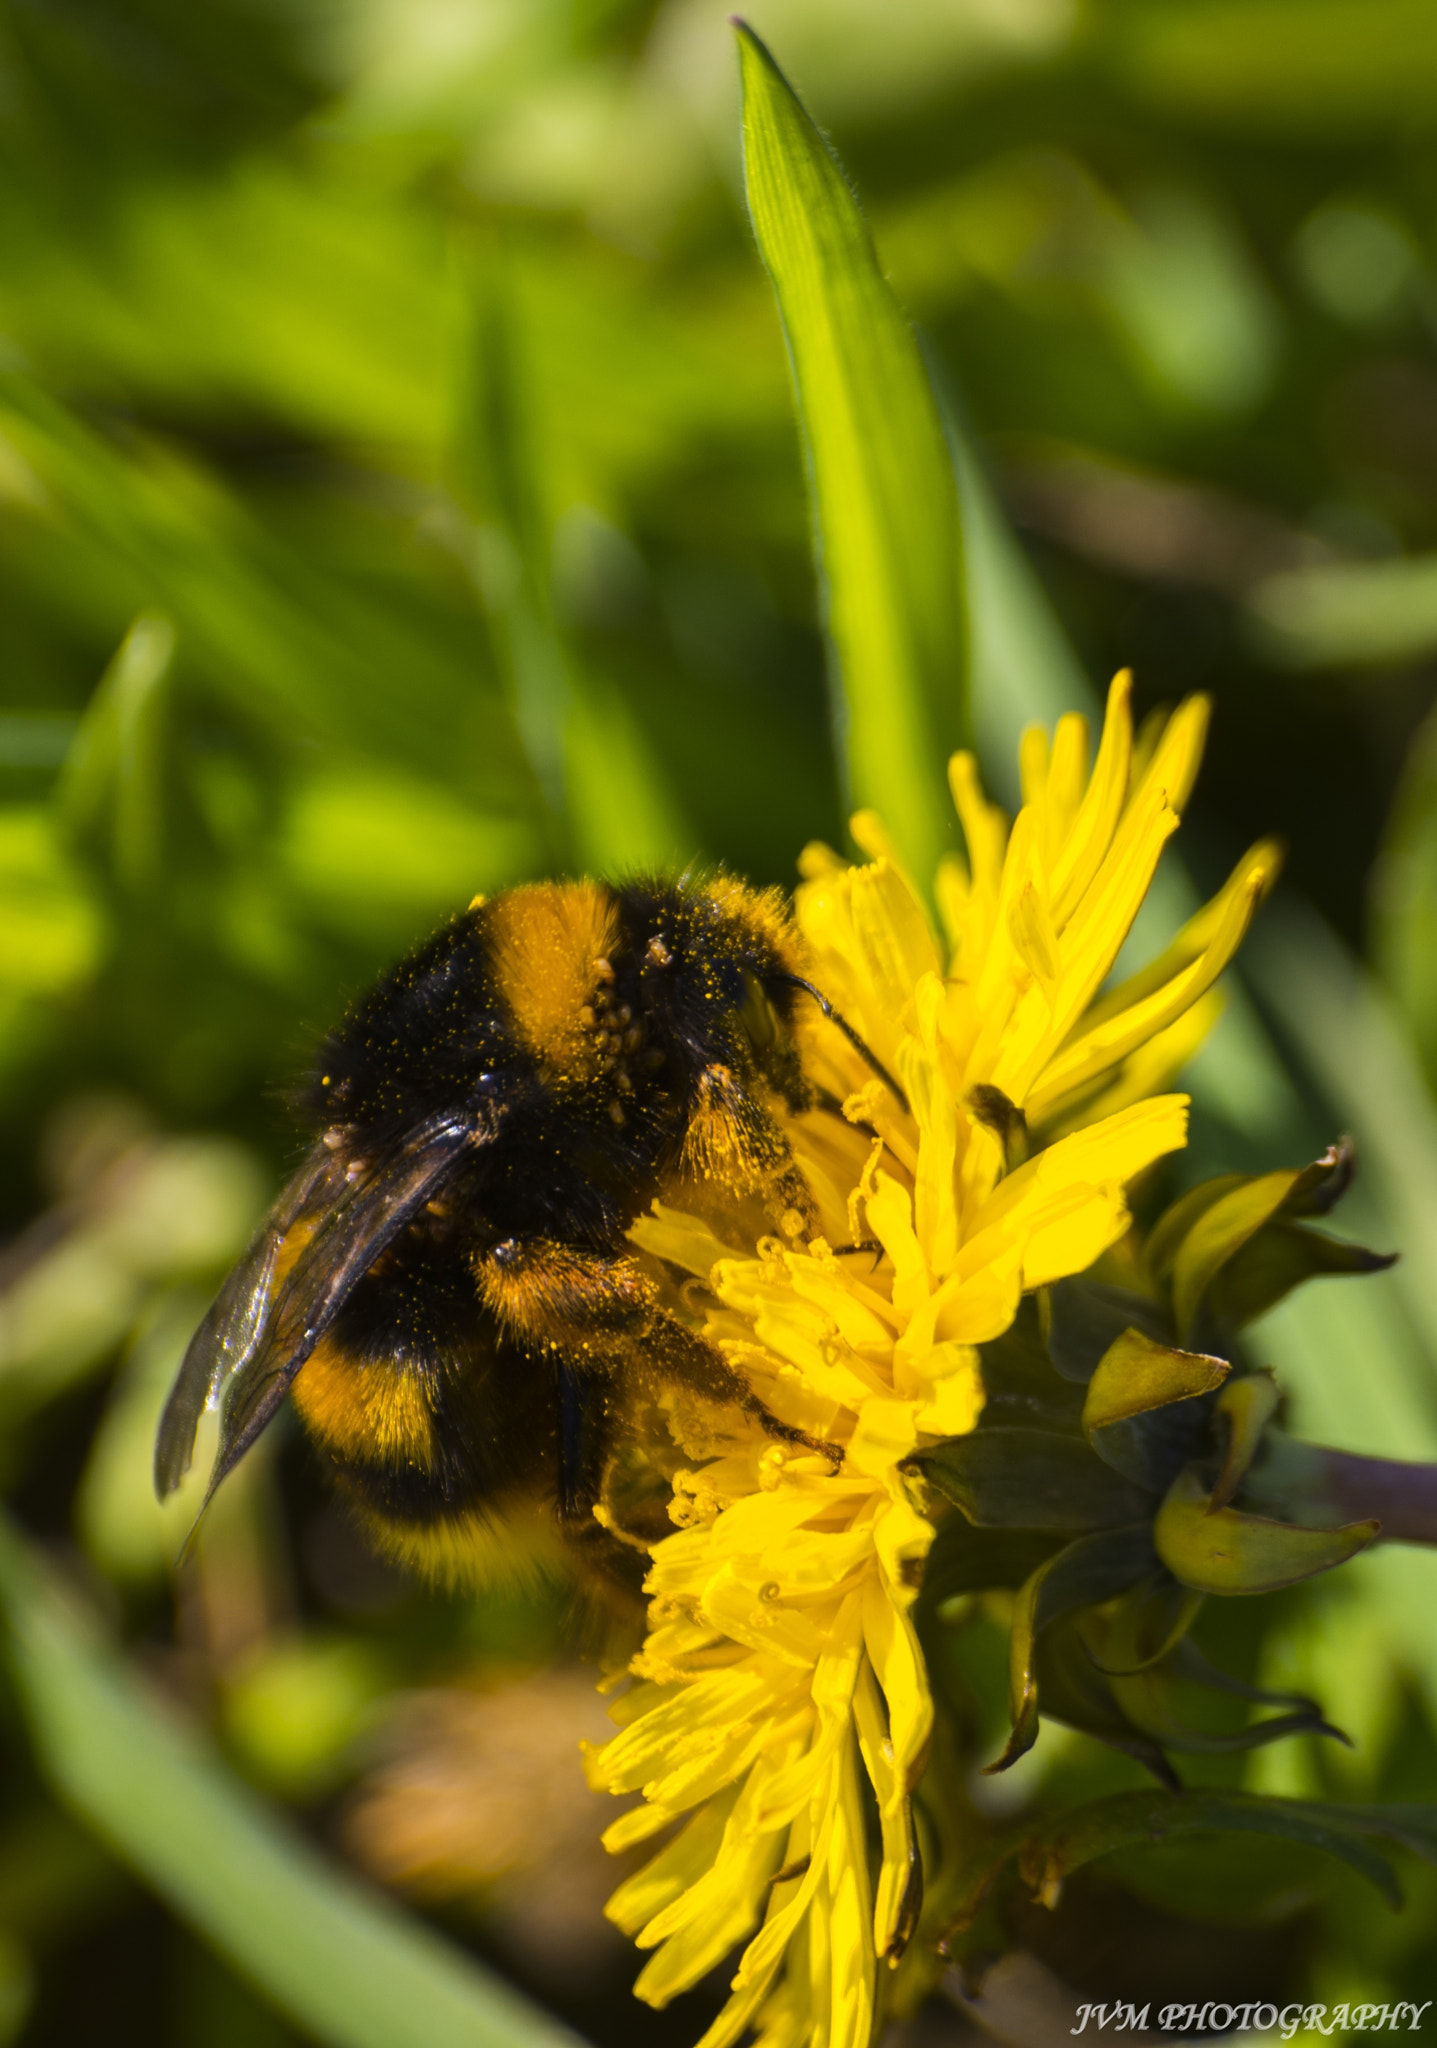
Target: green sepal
<point x="1246" y="1406"/>
<point x="1019" y="1383"/>
<point x="1084" y="1574"/>
<point x="1150" y="1700"/>
<point x="1135" y="1374"/>
<point x="1146" y="1623"/>
<point x="1165" y="1239"/>
<point x="1086" y="1318"/>
<point x="1048" y="1852"/>
<point x="1320" y="1187"/>
<point x="1211" y="1229"/>
<point x="1413" y="1823"/>
<point x="1192" y="1664"/>
<point x="964" y="1559"/>
<point x="1030" y="1479"/>
<point x="1279" y="1258"/>
<point x="1152" y="1449"/>
<point x="1148" y="1407"/>
<point x="1219" y="1233"/>
<point x="1219" y="1550"/>
<point x="1312" y="1191"/>
<point x="1075" y="1692"/>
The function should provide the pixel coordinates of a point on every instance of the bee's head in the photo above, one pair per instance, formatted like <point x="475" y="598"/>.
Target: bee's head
<point x="763" y="977"/>
<point x="733" y="965"/>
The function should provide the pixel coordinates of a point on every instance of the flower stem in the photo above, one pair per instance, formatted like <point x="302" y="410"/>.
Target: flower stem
<point x="1321" y="1488"/>
<point x="1402" y="1497"/>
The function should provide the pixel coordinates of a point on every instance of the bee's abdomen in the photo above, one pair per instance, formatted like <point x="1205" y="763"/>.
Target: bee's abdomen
<point x="371" y="1416"/>
<point x="433" y="1422"/>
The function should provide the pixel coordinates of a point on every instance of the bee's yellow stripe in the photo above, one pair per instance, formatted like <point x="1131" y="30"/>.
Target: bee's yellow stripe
<point x="544" y="942"/>
<point x="372" y="1413"/>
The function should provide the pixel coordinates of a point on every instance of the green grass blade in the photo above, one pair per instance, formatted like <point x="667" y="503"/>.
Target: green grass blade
<point x="345" y="1964"/>
<point x="312" y="656"/>
<point x="885" y="510"/>
<point x="610" y="807"/>
<point x="112" y="784"/>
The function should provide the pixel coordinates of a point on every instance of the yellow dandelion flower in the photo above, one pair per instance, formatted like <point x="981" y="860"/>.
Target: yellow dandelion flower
<point x="781" y="1692"/>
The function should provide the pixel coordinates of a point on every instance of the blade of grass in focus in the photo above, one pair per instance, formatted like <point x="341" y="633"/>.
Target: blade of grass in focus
<point x="345" y="1964"/>
<point x="885" y="510"/>
<point x="873" y="435"/>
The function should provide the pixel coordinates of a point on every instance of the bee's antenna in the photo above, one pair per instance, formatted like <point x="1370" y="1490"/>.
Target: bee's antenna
<point x="863" y="1051"/>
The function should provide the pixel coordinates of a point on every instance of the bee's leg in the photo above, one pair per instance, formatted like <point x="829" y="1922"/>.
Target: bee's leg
<point x="583" y="1441"/>
<point x="603" y="1313"/>
<point x="674" y="1353"/>
<point x="732" y="1139"/>
<point x="610" y="1555"/>
<point x="564" y="1295"/>
<point x="610" y="1568"/>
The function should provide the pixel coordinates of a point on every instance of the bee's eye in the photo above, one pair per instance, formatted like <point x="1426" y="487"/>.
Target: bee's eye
<point x="756" y="1014"/>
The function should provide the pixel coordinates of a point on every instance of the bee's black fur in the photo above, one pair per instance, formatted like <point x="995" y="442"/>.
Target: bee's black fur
<point x="432" y="1033"/>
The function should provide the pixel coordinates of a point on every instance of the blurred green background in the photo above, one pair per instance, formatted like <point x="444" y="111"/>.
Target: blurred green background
<point x="400" y="497"/>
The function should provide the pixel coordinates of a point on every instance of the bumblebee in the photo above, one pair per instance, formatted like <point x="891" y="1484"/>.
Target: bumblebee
<point x="445" y="1284"/>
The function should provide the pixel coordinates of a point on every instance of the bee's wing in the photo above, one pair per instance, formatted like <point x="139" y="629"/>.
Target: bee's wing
<point x="227" y="1339"/>
<point x="349" y="1237"/>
